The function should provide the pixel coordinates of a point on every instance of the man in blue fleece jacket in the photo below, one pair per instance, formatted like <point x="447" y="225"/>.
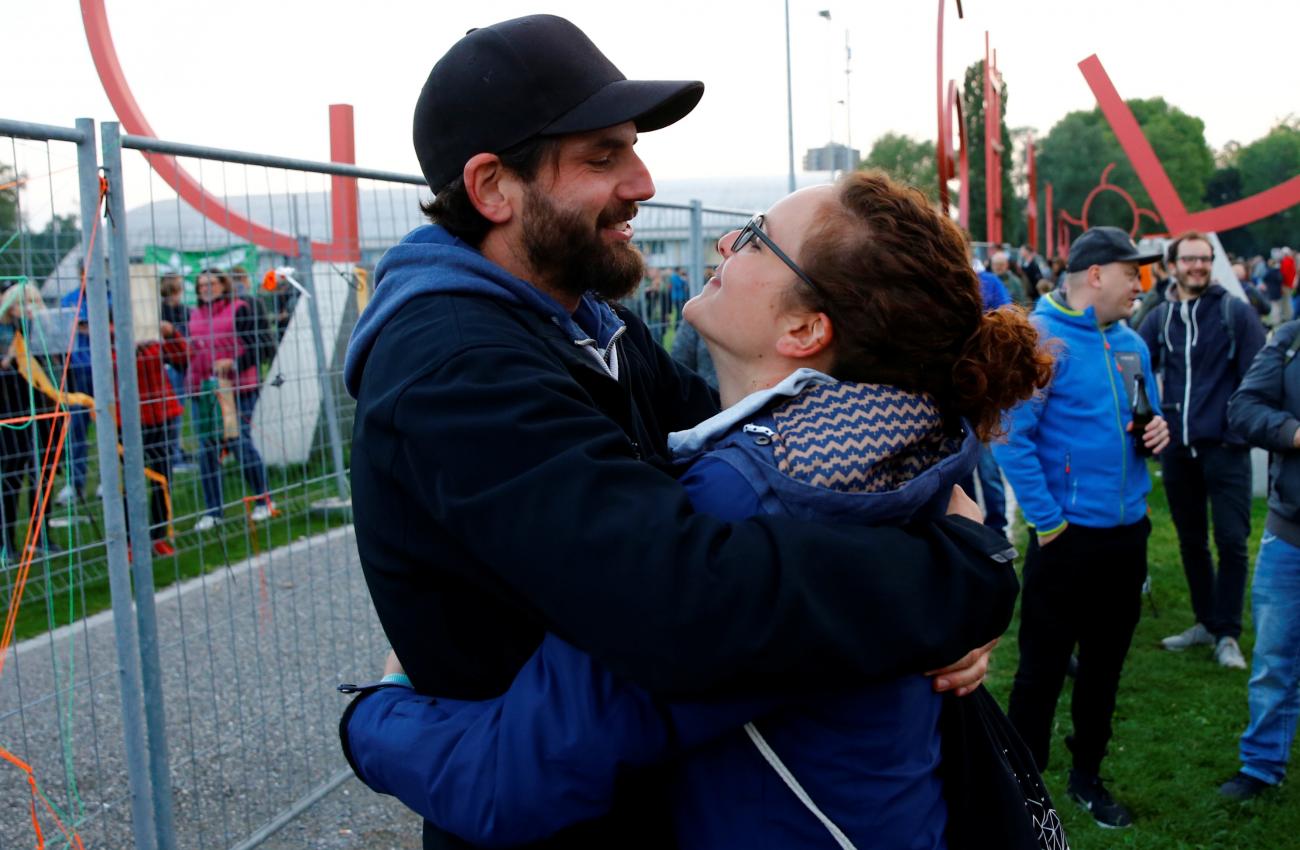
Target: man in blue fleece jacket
<point x="1073" y="462"/>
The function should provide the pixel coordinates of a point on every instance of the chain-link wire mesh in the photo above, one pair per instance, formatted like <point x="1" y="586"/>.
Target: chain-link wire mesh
<point x="218" y="436"/>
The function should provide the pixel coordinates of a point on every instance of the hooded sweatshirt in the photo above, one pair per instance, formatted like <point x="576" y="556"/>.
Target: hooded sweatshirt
<point x="430" y="260"/>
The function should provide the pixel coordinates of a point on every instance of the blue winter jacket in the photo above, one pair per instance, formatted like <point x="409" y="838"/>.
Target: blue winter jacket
<point x="1068" y="454"/>
<point x="550" y="751"/>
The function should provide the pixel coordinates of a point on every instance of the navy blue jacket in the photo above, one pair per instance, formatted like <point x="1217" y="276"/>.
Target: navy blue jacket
<point x="549" y="752"/>
<point x="507" y="482"/>
<point x="1190" y="347"/>
<point x="1265" y="410"/>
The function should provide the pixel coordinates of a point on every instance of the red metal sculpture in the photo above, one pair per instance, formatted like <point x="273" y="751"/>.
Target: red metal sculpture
<point x="1031" y="207"/>
<point x="992" y="145"/>
<point x="1104" y="185"/>
<point x="346" y="245"/>
<point x="949" y="162"/>
<point x="1157" y="182"/>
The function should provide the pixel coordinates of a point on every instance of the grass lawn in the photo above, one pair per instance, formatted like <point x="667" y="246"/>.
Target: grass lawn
<point x="72" y="582"/>
<point x="1176" y="728"/>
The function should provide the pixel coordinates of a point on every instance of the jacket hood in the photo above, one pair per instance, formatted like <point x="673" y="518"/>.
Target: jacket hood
<point x="431" y="260"/>
<point x="839" y="451"/>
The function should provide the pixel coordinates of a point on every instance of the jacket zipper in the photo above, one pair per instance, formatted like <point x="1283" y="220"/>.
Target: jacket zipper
<point x="1187" y="367"/>
<point x="1119" y="421"/>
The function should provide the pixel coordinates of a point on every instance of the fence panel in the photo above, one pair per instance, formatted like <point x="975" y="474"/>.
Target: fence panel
<point x="194" y="592"/>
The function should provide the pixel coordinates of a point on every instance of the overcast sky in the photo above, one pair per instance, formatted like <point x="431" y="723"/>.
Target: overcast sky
<point x="260" y="75"/>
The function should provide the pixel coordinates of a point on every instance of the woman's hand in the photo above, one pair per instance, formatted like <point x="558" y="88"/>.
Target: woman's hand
<point x="967" y="674"/>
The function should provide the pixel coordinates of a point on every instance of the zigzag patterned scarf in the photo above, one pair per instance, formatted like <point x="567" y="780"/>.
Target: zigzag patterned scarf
<point x="859" y="438"/>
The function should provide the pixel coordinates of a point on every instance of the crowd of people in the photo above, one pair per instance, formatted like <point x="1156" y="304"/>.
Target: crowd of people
<point x="210" y="356"/>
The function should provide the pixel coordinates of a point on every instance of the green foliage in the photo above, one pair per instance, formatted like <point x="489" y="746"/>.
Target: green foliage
<point x="1081" y="145"/>
<point x="1013" y="205"/>
<point x="8" y="200"/>
<point x="1263" y="164"/>
<point x="906" y="159"/>
<point x="1177" y="721"/>
<point x="36" y="254"/>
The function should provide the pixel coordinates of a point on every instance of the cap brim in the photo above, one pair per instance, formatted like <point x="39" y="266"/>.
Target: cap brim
<point x="1140" y="259"/>
<point x="1144" y="259"/>
<point x="651" y="104"/>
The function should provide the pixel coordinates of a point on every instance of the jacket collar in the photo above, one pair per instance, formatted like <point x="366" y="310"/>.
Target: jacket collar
<point x="686" y="444"/>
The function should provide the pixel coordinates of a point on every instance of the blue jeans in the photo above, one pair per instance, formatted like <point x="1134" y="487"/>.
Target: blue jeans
<point x="249" y="460"/>
<point x="995" y="494"/>
<point x="1274" y="690"/>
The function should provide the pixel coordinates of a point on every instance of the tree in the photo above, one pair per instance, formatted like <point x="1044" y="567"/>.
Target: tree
<point x="1080" y="145"/>
<point x="1013" y="205"/>
<point x="906" y="159"/>
<point x="8" y="202"/>
<point x="1264" y="163"/>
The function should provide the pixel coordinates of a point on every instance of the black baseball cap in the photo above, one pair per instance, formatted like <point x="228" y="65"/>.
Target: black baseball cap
<point x="534" y="76"/>
<point x="1101" y="245"/>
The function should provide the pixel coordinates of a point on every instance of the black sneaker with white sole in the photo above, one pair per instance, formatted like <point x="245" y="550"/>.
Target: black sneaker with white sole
<point x="1243" y="787"/>
<point x="1089" y="792"/>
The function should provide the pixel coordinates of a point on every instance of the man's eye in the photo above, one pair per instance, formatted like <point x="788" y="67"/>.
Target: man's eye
<point x="601" y="163"/>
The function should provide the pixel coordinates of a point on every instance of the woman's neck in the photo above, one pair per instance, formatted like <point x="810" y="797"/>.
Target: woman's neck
<point x="739" y="377"/>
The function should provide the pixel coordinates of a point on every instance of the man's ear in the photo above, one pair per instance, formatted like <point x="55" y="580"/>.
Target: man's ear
<point x="804" y="335"/>
<point x="487" y="184"/>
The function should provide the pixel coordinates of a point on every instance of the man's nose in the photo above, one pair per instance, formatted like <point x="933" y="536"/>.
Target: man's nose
<point x="637" y="184"/>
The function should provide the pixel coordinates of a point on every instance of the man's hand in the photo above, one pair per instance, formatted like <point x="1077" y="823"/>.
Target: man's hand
<point x="391" y="664"/>
<point x="1156" y="435"/>
<point x="965" y="675"/>
<point x="224" y="368"/>
<point x="962" y="505"/>
<point x="1044" y="539"/>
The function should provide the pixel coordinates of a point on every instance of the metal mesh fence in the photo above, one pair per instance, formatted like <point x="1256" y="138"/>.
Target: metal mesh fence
<point x="180" y="575"/>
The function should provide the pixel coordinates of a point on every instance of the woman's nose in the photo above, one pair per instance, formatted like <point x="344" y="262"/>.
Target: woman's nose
<point x="725" y="241"/>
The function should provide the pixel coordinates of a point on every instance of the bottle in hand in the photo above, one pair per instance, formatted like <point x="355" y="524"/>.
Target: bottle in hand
<point x="1142" y="414"/>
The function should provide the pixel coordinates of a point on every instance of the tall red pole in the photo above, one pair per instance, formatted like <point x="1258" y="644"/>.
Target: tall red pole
<point x="1031" y="210"/>
<point x="943" y="139"/>
<point x="343" y="190"/>
<point x="1047" y="222"/>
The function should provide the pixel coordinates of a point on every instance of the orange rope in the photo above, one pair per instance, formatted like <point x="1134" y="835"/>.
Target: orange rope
<point x="43" y="487"/>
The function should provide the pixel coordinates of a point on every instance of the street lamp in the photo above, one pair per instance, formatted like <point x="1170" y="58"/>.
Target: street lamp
<point x="789" y="95"/>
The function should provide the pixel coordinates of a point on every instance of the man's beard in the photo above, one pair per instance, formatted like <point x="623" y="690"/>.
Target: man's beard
<point x="1193" y="286"/>
<point x="565" y="250"/>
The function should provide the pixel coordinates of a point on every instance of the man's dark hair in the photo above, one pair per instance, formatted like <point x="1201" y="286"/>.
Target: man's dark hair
<point x="452" y="208"/>
<point x="1171" y="255"/>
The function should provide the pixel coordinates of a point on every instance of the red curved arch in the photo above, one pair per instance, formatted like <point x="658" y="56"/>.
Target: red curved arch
<point x="345" y="246"/>
<point x="943" y="150"/>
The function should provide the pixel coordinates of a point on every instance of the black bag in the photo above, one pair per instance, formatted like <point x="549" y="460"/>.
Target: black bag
<point x="995" y="794"/>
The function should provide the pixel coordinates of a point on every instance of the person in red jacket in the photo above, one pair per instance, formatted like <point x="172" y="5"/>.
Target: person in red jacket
<point x="159" y="408"/>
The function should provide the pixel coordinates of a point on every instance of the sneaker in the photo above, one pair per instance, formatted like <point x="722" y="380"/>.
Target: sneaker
<point x="1197" y="635"/>
<point x="163" y="549"/>
<point x="66" y="496"/>
<point x="1228" y="654"/>
<point x="1243" y="787"/>
<point x="263" y="512"/>
<point x="1088" y="792"/>
<point x="207" y="522"/>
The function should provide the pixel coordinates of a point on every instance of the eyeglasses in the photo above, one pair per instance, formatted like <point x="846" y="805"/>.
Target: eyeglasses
<point x="1197" y="258"/>
<point x="754" y="228"/>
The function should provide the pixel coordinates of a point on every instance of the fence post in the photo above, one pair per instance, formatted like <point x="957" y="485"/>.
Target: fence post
<point x="697" y="248"/>
<point x="137" y="501"/>
<point x="323" y="369"/>
<point x="115" y="542"/>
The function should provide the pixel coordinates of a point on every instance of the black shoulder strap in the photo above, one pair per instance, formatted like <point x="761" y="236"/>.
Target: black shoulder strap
<point x="1158" y="316"/>
<point x="1230" y="326"/>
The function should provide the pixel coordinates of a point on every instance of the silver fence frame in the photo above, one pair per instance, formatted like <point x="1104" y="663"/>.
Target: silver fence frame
<point x="126" y="527"/>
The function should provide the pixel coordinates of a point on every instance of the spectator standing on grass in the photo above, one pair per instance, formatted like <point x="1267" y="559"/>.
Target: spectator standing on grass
<point x="1000" y="265"/>
<point x="1266" y="410"/>
<point x="79" y="380"/>
<point x="174" y="320"/>
<point x="1032" y="272"/>
<point x="1072" y="460"/>
<point x="993" y="493"/>
<point x="1157" y="294"/>
<point x="1202" y="340"/>
<point x="223" y="345"/>
<point x="1281" y="306"/>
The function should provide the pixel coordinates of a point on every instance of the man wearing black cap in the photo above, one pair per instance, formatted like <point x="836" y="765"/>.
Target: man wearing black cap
<point x="1073" y="462"/>
<point x="1203" y="340"/>
<point x="509" y="462"/>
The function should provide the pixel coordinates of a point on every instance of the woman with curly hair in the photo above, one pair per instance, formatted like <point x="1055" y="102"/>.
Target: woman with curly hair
<point x="858" y="373"/>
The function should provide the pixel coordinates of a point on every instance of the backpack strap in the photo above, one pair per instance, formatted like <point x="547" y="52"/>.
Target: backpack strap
<point x="1291" y="350"/>
<point x="1230" y="326"/>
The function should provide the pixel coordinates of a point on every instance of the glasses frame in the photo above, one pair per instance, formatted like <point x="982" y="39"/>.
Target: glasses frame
<point x="754" y="229"/>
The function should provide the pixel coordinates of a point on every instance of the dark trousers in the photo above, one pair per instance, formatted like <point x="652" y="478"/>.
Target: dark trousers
<point x="1221" y="475"/>
<point x="158" y="454"/>
<point x="1084" y="587"/>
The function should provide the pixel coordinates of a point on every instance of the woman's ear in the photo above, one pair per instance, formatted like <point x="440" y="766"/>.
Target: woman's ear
<point x="488" y="183"/>
<point x="805" y="335"/>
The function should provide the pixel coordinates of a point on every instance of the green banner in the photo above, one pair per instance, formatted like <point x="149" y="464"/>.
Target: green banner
<point x="188" y="264"/>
